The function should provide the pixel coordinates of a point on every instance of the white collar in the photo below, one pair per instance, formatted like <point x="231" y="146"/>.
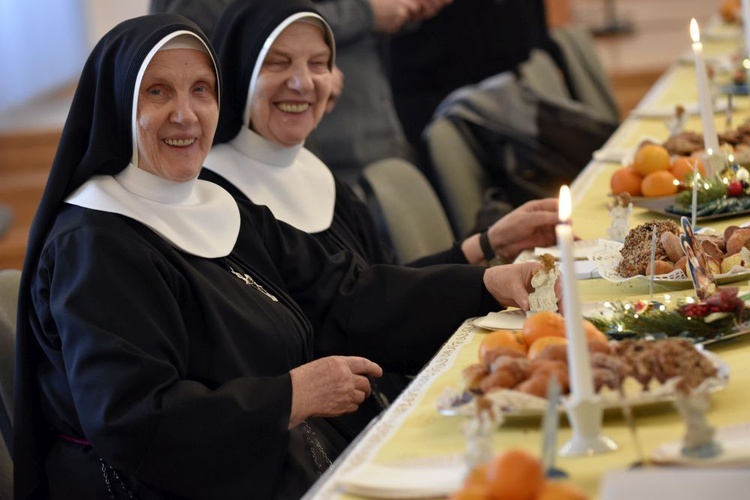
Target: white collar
<point x="293" y="183"/>
<point x="197" y="217"/>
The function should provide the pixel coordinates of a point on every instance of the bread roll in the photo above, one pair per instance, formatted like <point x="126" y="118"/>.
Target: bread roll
<point x="739" y="239"/>
<point x="472" y="376"/>
<point x="536" y="385"/>
<point x="712" y="249"/>
<point x="661" y="267"/>
<point x="672" y="245"/>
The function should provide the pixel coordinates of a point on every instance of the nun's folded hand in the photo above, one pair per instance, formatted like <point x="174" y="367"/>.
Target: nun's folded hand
<point x="330" y="386"/>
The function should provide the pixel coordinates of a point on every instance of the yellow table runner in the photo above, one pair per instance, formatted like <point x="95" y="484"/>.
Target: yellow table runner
<point x="412" y="426"/>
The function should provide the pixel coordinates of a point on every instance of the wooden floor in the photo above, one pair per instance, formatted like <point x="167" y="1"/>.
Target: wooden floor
<point x="659" y="35"/>
<point x="29" y="134"/>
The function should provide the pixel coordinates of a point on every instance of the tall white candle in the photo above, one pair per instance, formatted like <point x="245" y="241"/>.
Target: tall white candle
<point x="710" y="139"/>
<point x="579" y="365"/>
<point x="746" y="25"/>
<point x="696" y="179"/>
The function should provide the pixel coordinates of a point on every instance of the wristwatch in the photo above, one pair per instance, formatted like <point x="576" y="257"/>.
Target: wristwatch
<point x="489" y="254"/>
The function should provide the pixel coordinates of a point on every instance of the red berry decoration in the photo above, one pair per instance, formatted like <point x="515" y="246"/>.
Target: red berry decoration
<point x="734" y="188"/>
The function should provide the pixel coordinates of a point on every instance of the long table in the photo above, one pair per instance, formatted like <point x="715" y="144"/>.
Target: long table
<point x="412" y="428"/>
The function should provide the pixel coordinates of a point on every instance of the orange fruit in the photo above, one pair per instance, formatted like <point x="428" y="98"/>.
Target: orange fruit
<point x="593" y="333"/>
<point x="543" y="324"/>
<point x="561" y="490"/>
<point x="473" y="492"/>
<point x="626" y="180"/>
<point x="477" y="476"/>
<point x="683" y="166"/>
<point x="539" y="345"/>
<point x="659" y="183"/>
<point x="730" y="10"/>
<point x="501" y="338"/>
<point x="515" y="475"/>
<point x="651" y="158"/>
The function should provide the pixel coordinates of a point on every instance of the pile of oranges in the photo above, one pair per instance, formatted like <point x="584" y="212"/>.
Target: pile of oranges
<point x="653" y="173"/>
<point x="515" y="474"/>
<point x="539" y="331"/>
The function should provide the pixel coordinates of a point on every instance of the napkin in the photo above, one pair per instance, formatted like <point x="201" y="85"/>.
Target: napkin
<point x="676" y="483"/>
<point x="418" y="478"/>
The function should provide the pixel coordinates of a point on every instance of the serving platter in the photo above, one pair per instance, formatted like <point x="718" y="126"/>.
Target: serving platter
<point x="608" y="257"/>
<point x="661" y="204"/>
<point x="512" y="403"/>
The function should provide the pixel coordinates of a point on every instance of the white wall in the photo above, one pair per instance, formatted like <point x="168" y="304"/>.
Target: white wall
<point x="105" y="14"/>
<point x="44" y="43"/>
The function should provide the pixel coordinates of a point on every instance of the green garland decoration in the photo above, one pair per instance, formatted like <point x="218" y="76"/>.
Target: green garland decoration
<point x="657" y="321"/>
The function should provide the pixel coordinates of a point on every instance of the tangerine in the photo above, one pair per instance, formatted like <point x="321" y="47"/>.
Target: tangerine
<point x="593" y="333"/>
<point x="626" y="180"/>
<point x="543" y="324"/>
<point x="472" y="492"/>
<point x="651" y="158"/>
<point x="659" y="183"/>
<point x="501" y="338"/>
<point x="515" y="475"/>
<point x="561" y="490"/>
<point x="683" y="166"/>
<point x="539" y="345"/>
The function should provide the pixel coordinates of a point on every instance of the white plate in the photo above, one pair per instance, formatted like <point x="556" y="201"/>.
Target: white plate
<point x="416" y="478"/>
<point x="720" y="106"/>
<point x="718" y="29"/>
<point x="608" y="257"/>
<point x="582" y="249"/>
<point x="517" y="404"/>
<point x="513" y="318"/>
<point x="734" y="440"/>
<point x="611" y="155"/>
<point x="509" y="319"/>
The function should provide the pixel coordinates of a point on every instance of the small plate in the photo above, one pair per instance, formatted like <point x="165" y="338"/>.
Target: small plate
<point x="718" y="29"/>
<point x="513" y="318"/>
<point x="720" y="106"/>
<point x="509" y="319"/>
<point x="611" y="155"/>
<point x="415" y="478"/>
<point x="582" y="249"/>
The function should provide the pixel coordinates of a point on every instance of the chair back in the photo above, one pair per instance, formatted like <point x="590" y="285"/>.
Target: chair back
<point x="543" y="76"/>
<point x="588" y="79"/>
<point x="411" y="211"/>
<point x="9" y="283"/>
<point x="459" y="176"/>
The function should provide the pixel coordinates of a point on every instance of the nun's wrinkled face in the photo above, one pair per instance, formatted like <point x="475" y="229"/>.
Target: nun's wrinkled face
<point x="293" y="85"/>
<point x="177" y="113"/>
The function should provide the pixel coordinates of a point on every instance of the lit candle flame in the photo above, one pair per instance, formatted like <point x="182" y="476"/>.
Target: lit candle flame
<point x="565" y="204"/>
<point x="695" y="33"/>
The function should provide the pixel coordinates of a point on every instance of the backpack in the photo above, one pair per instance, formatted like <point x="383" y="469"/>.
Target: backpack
<point x="529" y="144"/>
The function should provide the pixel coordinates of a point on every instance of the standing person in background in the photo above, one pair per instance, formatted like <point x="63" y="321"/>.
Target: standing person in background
<point x="364" y="127"/>
<point x="464" y="43"/>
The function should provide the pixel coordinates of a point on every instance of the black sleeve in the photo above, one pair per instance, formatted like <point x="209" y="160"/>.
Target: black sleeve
<point x="112" y="316"/>
<point x="397" y="316"/>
